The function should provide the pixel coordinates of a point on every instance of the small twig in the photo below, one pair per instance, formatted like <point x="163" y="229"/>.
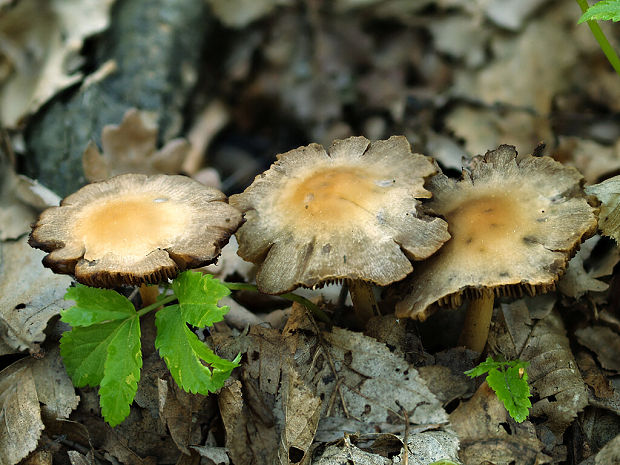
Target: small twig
<point x="406" y="416"/>
<point x="330" y="361"/>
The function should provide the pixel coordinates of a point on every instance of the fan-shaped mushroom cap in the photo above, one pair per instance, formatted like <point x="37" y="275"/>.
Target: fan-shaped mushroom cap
<point x="350" y="213"/>
<point x="134" y="229"/>
<point x="514" y="226"/>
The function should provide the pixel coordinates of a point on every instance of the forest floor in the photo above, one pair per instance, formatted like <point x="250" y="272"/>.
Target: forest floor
<point x="214" y="90"/>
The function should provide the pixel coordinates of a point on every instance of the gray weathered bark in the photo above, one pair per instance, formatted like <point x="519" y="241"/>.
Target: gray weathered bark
<point x="157" y="47"/>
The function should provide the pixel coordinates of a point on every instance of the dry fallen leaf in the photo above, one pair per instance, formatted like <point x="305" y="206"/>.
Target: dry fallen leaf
<point x="130" y="147"/>
<point x="482" y="128"/>
<point x="40" y="47"/>
<point x="25" y="385"/>
<point x="349" y="381"/>
<point x="604" y="342"/>
<point x="553" y="374"/>
<point x="21" y="423"/>
<point x="522" y="73"/>
<point x="488" y="435"/>
<point x="577" y="281"/>
<point x="21" y="199"/>
<point x="29" y="296"/>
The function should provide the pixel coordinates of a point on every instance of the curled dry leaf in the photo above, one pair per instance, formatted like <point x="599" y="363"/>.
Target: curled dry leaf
<point x="553" y="373"/>
<point x="577" y="281"/>
<point x="130" y="147"/>
<point x="488" y="435"/>
<point x="41" y="42"/>
<point x="24" y="386"/>
<point x="21" y="199"/>
<point x="484" y="127"/>
<point x="288" y="384"/>
<point x="608" y="193"/>
<point x="541" y="74"/>
<point x="21" y="423"/>
<point x="29" y="296"/>
<point x="604" y="342"/>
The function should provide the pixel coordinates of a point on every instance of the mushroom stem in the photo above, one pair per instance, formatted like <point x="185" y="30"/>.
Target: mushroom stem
<point x="363" y="298"/>
<point x="149" y="294"/>
<point x="477" y="322"/>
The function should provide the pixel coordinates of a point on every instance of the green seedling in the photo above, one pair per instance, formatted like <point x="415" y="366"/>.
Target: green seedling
<point x="603" y="10"/>
<point x="509" y="381"/>
<point x="103" y="348"/>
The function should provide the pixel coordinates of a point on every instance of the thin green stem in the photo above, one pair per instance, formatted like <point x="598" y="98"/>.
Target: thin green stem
<point x="599" y="35"/>
<point x="159" y="303"/>
<point x="316" y="311"/>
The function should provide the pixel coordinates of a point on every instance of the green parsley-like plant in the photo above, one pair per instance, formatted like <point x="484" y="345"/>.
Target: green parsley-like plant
<point x="604" y="10"/>
<point x="103" y="348"/>
<point x="509" y="381"/>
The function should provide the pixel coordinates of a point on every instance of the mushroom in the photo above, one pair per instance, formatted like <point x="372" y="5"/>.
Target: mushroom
<point x="515" y="223"/>
<point x="135" y="229"/>
<point x="349" y="213"/>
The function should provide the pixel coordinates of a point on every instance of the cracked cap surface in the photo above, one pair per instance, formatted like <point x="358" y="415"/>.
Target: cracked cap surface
<point x="351" y="212"/>
<point x="134" y="229"/>
<point x="514" y="226"/>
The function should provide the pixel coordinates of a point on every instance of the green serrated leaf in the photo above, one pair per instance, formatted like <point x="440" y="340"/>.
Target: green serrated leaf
<point x="84" y="352"/>
<point x="604" y="10"/>
<point x="198" y="296"/>
<point x="184" y="353"/>
<point x="94" y="305"/>
<point x="512" y="389"/>
<point x="121" y="372"/>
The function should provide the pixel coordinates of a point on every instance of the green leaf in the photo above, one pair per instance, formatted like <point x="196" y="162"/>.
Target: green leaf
<point x="512" y="389"/>
<point x="84" y="352"/>
<point x="184" y="353"/>
<point x="603" y="10"/>
<point x="509" y="381"/>
<point x="121" y="372"/>
<point x="94" y="305"/>
<point x="198" y="296"/>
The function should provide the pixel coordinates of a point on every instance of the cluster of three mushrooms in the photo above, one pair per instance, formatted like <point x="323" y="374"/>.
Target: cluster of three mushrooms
<point x="348" y="214"/>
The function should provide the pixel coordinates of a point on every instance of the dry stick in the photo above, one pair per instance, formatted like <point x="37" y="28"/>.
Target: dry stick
<point x="405" y="447"/>
<point x="477" y="322"/>
<point x="332" y="366"/>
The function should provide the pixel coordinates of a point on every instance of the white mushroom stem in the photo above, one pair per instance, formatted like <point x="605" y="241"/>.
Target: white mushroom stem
<point x="364" y="302"/>
<point x="477" y="322"/>
<point x="149" y="294"/>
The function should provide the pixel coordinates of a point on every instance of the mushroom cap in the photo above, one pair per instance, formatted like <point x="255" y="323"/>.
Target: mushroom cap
<point x="514" y="226"/>
<point x="133" y="229"/>
<point x="351" y="213"/>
